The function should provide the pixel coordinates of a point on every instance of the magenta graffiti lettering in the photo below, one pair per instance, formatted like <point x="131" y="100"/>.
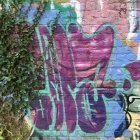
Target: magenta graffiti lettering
<point x="77" y="85"/>
<point x="43" y="112"/>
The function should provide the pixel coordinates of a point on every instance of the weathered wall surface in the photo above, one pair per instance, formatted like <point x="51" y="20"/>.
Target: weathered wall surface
<point x="91" y="72"/>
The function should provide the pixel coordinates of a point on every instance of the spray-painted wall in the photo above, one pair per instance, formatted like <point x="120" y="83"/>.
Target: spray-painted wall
<point x="90" y="81"/>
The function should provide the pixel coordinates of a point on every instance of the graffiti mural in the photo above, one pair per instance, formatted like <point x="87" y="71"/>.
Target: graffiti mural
<point x="91" y="70"/>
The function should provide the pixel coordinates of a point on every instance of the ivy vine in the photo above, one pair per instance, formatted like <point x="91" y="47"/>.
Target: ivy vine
<point x="18" y="72"/>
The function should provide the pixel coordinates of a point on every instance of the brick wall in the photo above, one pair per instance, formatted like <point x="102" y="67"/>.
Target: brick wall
<point x="91" y="72"/>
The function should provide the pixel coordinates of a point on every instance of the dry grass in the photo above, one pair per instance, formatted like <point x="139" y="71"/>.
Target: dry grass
<point x="13" y="129"/>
